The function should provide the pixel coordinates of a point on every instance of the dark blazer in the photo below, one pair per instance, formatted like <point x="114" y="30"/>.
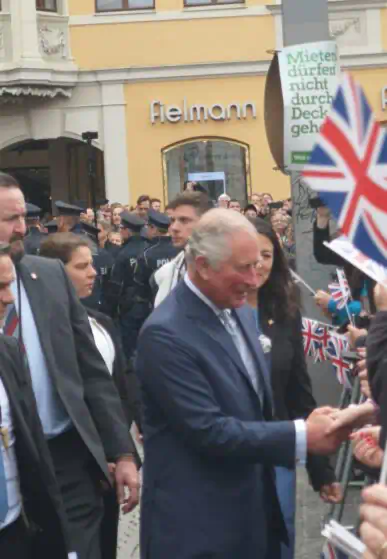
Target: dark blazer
<point x="210" y="446"/>
<point x="123" y="373"/>
<point x="377" y="367"/>
<point x="42" y="501"/>
<point x="292" y="389"/>
<point x="76" y="367"/>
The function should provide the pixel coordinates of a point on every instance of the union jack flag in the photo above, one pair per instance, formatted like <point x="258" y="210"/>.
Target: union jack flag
<point x="348" y="169"/>
<point x="321" y="344"/>
<point x="340" y="290"/>
<point x="336" y="347"/>
<point x="316" y="339"/>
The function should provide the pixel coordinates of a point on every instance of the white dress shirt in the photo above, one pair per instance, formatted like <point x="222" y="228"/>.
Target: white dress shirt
<point x="104" y="343"/>
<point x="10" y="464"/>
<point x="300" y="426"/>
<point x="52" y="413"/>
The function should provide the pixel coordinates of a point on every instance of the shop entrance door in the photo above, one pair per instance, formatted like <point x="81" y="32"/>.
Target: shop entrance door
<point x="50" y="170"/>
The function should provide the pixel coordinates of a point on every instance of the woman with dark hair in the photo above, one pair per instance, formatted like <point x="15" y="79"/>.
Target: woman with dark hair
<point x="75" y="253"/>
<point x="275" y="304"/>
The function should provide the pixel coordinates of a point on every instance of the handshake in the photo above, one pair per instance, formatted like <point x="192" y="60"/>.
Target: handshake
<point x="324" y="432"/>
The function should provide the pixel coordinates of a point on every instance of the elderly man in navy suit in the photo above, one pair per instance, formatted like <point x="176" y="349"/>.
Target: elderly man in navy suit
<point x="211" y="441"/>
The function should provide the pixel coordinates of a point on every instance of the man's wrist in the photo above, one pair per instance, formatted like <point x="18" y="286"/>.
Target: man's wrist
<point x="125" y="458"/>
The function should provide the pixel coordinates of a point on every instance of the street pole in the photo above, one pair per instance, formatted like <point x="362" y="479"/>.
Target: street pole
<point x="307" y="22"/>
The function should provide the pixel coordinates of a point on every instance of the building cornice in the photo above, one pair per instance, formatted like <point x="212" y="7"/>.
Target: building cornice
<point x="11" y="76"/>
<point x="178" y="72"/>
<point x="55" y="78"/>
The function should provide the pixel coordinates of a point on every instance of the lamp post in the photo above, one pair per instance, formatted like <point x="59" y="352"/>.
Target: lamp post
<point x="88" y="137"/>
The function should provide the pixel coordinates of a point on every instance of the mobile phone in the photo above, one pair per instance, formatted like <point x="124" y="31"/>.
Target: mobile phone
<point x="317" y="202"/>
<point x="275" y="205"/>
<point x="351" y="356"/>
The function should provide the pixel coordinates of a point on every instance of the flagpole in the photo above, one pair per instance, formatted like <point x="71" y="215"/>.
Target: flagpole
<point x="299" y="279"/>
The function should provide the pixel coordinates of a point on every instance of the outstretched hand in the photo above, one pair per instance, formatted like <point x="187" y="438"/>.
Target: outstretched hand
<point x="352" y="417"/>
<point x="321" y="438"/>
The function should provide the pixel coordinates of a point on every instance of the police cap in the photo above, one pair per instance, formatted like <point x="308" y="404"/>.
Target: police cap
<point x="158" y="219"/>
<point x="132" y="221"/>
<point x="68" y="209"/>
<point x="33" y="211"/>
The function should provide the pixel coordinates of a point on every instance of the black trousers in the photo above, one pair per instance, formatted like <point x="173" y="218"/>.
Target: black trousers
<point x="109" y="526"/>
<point x="78" y="480"/>
<point x="15" y="542"/>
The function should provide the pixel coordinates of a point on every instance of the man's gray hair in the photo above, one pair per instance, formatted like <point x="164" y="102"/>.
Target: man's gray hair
<point x="212" y="236"/>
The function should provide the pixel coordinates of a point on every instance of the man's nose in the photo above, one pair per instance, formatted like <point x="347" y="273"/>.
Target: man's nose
<point x="20" y="226"/>
<point x="252" y="277"/>
<point x="7" y="297"/>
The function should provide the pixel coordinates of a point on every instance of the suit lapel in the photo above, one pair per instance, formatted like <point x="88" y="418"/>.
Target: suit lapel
<point x="210" y="324"/>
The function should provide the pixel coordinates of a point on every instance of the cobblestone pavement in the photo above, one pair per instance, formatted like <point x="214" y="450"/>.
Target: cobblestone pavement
<point x="310" y="515"/>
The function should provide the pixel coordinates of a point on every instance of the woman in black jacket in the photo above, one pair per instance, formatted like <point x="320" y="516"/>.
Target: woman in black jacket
<point x="279" y="329"/>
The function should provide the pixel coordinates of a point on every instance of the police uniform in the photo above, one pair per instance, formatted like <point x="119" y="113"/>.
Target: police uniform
<point x="51" y="226"/>
<point x="156" y="255"/>
<point x="34" y="236"/>
<point x="122" y="276"/>
<point x="102" y="260"/>
<point x="103" y="265"/>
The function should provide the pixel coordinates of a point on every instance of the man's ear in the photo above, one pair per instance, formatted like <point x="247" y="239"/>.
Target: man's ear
<point x="203" y="268"/>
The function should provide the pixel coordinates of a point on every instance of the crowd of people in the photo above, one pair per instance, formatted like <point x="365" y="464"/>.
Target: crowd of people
<point x="186" y="322"/>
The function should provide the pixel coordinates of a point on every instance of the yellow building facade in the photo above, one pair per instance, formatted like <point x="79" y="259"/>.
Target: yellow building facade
<point x="174" y="88"/>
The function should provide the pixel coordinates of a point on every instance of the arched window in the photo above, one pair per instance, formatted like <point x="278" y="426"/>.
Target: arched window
<point x="219" y="165"/>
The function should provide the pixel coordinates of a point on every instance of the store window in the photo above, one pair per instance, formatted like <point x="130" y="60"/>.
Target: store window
<point x="117" y="5"/>
<point x="211" y="2"/>
<point x="46" y="5"/>
<point x="218" y="165"/>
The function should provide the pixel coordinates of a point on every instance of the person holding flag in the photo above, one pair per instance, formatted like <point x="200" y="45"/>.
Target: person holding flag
<point x="278" y="322"/>
<point x="338" y="303"/>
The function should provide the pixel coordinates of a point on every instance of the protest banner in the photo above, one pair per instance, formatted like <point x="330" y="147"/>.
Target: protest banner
<point x="309" y="77"/>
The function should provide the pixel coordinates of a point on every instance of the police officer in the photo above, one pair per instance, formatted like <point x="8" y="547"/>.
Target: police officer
<point x="69" y="218"/>
<point x="156" y="255"/>
<point x="103" y="263"/>
<point x="122" y="275"/>
<point x="51" y="226"/>
<point x="34" y="235"/>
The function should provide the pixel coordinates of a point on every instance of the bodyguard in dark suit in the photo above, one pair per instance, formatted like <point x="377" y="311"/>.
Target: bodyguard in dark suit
<point x="78" y="404"/>
<point x="210" y="440"/>
<point x="29" y="481"/>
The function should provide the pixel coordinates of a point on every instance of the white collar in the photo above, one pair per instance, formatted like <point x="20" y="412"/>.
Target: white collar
<point x="201" y="296"/>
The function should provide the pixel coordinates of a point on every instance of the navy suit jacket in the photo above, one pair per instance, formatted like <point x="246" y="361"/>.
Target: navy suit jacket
<point x="210" y="448"/>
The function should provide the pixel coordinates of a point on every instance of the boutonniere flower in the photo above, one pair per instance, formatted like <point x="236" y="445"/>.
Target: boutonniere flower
<point x="265" y="343"/>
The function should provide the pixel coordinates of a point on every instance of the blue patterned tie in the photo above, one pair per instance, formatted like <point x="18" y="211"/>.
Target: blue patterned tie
<point x="3" y="485"/>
